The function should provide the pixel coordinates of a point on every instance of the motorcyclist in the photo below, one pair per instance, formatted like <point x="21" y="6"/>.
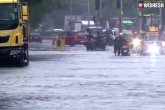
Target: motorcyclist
<point x="119" y="40"/>
<point x="89" y="36"/>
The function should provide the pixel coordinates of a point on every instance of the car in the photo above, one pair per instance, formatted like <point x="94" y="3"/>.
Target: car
<point x="74" y="37"/>
<point x="35" y="37"/>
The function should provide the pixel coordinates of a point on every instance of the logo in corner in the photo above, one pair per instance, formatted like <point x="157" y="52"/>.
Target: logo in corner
<point x="140" y="5"/>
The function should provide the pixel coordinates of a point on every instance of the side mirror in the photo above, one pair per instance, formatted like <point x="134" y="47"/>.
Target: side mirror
<point x="24" y="13"/>
<point x="21" y="22"/>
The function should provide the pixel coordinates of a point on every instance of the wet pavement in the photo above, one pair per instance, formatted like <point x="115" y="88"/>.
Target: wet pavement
<point x="81" y="80"/>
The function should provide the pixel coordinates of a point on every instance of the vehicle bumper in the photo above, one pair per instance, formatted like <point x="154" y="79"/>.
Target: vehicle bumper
<point x="80" y="42"/>
<point x="35" y="40"/>
<point x="125" y="51"/>
<point x="11" y="53"/>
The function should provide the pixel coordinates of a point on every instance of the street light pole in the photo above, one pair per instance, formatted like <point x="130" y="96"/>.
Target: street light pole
<point x="160" y="10"/>
<point x="88" y="14"/>
<point x="138" y="12"/>
<point x="100" y="8"/>
<point x="71" y="12"/>
<point x="120" y="15"/>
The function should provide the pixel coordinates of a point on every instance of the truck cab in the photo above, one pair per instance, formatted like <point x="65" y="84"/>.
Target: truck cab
<point x="14" y="34"/>
<point x="151" y="43"/>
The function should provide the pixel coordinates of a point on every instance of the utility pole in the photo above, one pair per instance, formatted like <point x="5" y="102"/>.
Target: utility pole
<point x="71" y="10"/>
<point x="137" y="24"/>
<point x="97" y="8"/>
<point x="100" y="8"/>
<point x="119" y="7"/>
<point x="88" y="14"/>
<point x="121" y="19"/>
<point x="160" y="11"/>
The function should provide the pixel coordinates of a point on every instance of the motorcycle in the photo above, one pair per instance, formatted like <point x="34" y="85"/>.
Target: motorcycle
<point x="90" y="44"/>
<point x="125" y="50"/>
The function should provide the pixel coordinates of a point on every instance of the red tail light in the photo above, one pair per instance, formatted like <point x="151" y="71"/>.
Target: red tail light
<point x="125" y="46"/>
<point x="31" y="37"/>
<point x="41" y="37"/>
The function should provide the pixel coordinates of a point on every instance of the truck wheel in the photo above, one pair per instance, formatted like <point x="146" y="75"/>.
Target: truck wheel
<point x="21" y="60"/>
<point x="27" y="58"/>
<point x="24" y="61"/>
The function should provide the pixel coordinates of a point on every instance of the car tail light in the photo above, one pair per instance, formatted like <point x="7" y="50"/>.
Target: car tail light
<point x="125" y="46"/>
<point x="31" y="37"/>
<point x="41" y="37"/>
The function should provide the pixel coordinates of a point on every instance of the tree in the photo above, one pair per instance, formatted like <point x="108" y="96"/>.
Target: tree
<point x="39" y="8"/>
<point x="129" y="8"/>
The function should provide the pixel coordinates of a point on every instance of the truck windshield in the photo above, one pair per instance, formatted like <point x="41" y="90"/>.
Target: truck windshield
<point x="152" y="38"/>
<point x="8" y="16"/>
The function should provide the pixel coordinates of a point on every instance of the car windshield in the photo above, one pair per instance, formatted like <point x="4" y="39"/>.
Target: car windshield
<point x="81" y="33"/>
<point x="58" y="33"/>
<point x="9" y="17"/>
<point x="95" y="30"/>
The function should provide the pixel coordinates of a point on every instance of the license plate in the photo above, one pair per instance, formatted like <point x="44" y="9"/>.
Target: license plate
<point x="81" y="41"/>
<point x="35" y="37"/>
<point x="125" y="50"/>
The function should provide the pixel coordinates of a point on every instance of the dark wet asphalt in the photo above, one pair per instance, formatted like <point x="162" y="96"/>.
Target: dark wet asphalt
<point x="81" y="80"/>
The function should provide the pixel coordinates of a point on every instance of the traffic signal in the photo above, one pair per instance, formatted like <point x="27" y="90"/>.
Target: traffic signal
<point x="118" y="21"/>
<point x="118" y="4"/>
<point x="97" y="4"/>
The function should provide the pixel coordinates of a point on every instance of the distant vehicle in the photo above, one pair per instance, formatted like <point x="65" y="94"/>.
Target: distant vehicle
<point x="151" y="44"/>
<point x="35" y="37"/>
<point x="94" y="30"/>
<point x="163" y="42"/>
<point x="58" y="30"/>
<point x="74" y="38"/>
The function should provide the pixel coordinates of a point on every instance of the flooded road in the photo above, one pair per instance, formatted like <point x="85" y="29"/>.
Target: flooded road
<point x="81" y="80"/>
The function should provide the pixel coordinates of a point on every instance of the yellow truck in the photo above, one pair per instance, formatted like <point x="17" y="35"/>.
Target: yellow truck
<point x="149" y="23"/>
<point x="14" y="32"/>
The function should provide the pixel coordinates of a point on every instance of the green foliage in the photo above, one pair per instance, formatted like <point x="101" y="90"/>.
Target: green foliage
<point x="39" y="8"/>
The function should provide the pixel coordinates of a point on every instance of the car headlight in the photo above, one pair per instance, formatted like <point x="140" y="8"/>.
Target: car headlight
<point x="153" y="49"/>
<point x="163" y="43"/>
<point x="136" y="42"/>
<point x="14" y="52"/>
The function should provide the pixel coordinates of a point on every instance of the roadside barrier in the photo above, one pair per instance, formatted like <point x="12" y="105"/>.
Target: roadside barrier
<point x="58" y="42"/>
<point x="62" y="43"/>
<point x="54" y="41"/>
